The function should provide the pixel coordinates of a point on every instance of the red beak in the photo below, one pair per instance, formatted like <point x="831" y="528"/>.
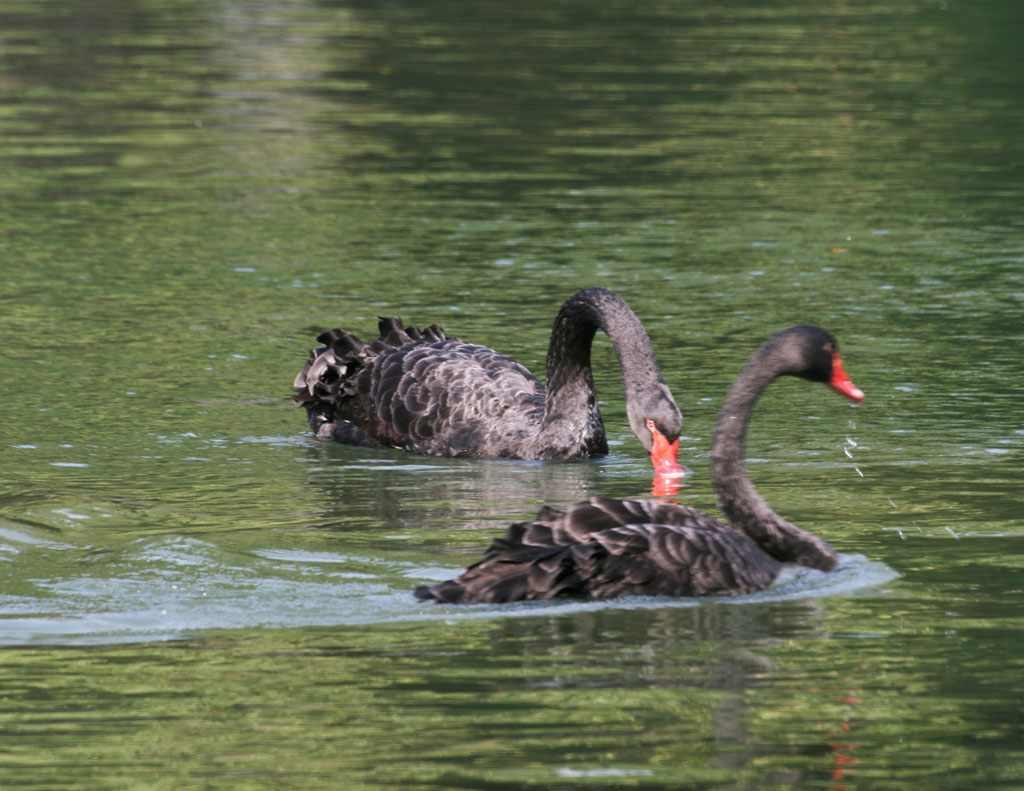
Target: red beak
<point x="663" y="454"/>
<point x="841" y="383"/>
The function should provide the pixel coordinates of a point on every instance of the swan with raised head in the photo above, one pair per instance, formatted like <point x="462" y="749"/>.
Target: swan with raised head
<point x="607" y="548"/>
<point x="425" y="392"/>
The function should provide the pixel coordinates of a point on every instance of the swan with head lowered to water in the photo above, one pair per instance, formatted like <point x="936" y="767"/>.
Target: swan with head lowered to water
<point x="425" y="392"/>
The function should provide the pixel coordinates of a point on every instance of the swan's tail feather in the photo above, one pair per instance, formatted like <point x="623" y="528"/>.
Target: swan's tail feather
<point x="394" y="333"/>
<point x="331" y="375"/>
<point x="552" y="555"/>
<point x="340" y="341"/>
<point x="515" y="573"/>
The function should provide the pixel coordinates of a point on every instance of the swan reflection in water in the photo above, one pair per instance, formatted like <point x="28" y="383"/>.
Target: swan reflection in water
<point x="726" y="681"/>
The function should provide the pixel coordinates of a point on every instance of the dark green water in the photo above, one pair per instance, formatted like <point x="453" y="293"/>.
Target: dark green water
<point x="196" y="594"/>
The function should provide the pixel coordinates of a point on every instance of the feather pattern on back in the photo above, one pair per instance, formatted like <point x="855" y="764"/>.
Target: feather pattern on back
<point x="607" y="548"/>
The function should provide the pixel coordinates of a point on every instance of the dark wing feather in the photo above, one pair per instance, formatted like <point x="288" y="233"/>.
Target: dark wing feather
<point x="578" y="521"/>
<point x="663" y="560"/>
<point x="420" y="390"/>
<point x="608" y="548"/>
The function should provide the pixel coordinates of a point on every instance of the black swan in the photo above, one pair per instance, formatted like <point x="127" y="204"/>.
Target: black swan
<point x="606" y="548"/>
<point x="425" y="392"/>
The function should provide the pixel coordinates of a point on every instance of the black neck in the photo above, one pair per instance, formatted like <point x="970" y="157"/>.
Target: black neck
<point x="570" y="388"/>
<point x="739" y="500"/>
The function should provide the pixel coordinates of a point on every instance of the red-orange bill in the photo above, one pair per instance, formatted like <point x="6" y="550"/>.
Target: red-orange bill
<point x="841" y="383"/>
<point x="663" y="455"/>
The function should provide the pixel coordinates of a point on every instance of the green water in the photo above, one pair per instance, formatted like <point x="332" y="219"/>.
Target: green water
<point x="194" y="593"/>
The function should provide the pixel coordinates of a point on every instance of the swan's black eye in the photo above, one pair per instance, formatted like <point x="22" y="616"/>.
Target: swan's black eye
<point x="830" y="348"/>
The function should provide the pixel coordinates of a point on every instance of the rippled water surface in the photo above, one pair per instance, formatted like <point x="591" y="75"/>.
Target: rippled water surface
<point x="195" y="593"/>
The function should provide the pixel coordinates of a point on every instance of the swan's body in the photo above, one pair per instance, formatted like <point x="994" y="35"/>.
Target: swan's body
<point x="608" y="547"/>
<point x="428" y="393"/>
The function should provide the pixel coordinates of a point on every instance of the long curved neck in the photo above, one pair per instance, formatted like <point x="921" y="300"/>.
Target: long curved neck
<point x="739" y="500"/>
<point x="571" y="395"/>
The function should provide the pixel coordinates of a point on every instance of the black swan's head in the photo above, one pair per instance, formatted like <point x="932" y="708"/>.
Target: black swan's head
<point x="810" y="353"/>
<point x="657" y="421"/>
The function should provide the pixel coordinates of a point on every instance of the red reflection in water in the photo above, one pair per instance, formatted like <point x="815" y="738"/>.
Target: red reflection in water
<point x="666" y="485"/>
<point x="842" y="757"/>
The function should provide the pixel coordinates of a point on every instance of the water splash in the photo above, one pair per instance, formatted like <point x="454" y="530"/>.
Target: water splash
<point x="170" y="587"/>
